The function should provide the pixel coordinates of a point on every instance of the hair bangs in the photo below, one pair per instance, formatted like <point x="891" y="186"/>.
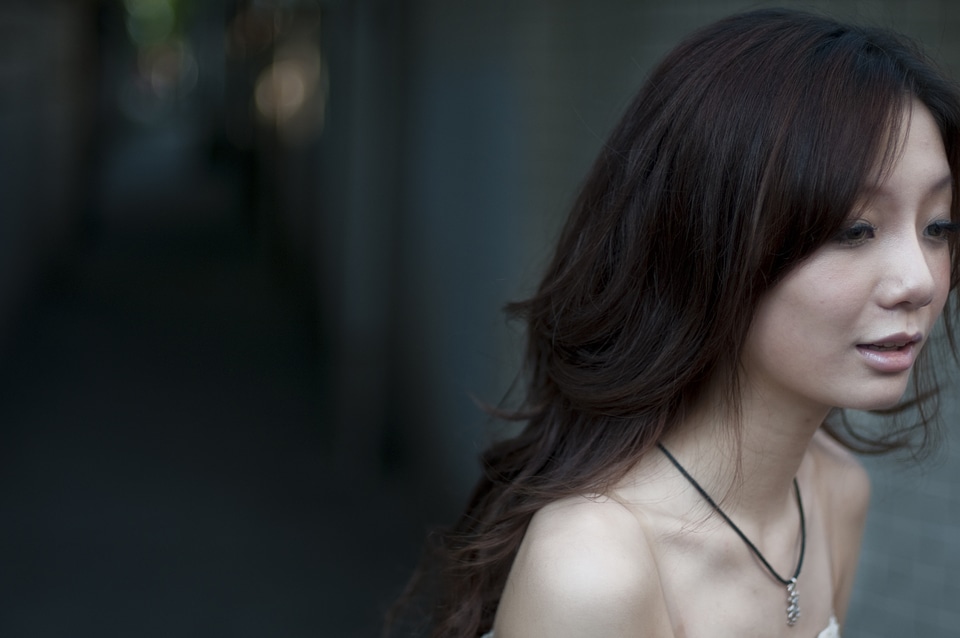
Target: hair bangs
<point x="843" y="135"/>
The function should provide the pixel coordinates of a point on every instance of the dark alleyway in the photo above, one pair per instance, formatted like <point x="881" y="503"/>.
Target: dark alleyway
<point x="164" y="455"/>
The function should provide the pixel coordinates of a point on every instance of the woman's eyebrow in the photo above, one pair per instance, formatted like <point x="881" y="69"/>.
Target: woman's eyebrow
<point x="944" y="182"/>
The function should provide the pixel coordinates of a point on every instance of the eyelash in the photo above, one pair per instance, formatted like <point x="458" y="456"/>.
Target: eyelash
<point x="945" y="230"/>
<point x="856" y="234"/>
<point x="861" y="232"/>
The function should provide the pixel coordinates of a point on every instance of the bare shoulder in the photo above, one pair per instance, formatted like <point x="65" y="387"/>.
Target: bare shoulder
<point x="585" y="567"/>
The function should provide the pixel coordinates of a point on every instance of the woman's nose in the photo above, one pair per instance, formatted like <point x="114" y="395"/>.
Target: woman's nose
<point x="911" y="277"/>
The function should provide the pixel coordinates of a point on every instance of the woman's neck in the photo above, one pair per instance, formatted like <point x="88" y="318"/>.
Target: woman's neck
<point x="747" y="463"/>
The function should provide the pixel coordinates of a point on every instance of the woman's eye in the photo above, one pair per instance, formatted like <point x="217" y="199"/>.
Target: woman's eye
<point x="942" y="230"/>
<point x="856" y="234"/>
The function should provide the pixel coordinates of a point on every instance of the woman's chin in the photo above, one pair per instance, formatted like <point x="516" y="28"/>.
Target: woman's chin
<point x="884" y="399"/>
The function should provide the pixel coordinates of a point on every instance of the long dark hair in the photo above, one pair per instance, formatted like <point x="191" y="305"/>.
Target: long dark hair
<point x="746" y="150"/>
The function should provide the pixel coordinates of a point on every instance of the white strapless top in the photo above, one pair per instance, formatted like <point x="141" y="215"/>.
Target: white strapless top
<point x="832" y="630"/>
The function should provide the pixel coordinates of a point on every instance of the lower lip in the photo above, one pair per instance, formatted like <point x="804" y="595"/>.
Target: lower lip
<point x="890" y="361"/>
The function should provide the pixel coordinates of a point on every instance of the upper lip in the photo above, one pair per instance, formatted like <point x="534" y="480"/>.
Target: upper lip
<point x="899" y="339"/>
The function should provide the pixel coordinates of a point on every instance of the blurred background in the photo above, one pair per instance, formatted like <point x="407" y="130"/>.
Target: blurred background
<point x="252" y="259"/>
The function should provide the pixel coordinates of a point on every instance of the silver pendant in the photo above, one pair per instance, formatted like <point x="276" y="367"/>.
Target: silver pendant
<point x="793" y="603"/>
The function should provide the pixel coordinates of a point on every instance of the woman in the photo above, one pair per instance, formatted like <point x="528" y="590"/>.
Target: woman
<point x="768" y="235"/>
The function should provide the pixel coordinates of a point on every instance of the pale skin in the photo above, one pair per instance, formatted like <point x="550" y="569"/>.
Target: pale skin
<point x="650" y="559"/>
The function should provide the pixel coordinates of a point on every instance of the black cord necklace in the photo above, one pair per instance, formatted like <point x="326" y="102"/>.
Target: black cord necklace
<point x="793" y="597"/>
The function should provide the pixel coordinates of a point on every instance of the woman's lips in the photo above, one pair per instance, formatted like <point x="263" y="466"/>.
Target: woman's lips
<point x="892" y="354"/>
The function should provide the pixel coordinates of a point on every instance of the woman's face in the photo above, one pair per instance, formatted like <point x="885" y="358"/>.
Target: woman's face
<point x="844" y="328"/>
